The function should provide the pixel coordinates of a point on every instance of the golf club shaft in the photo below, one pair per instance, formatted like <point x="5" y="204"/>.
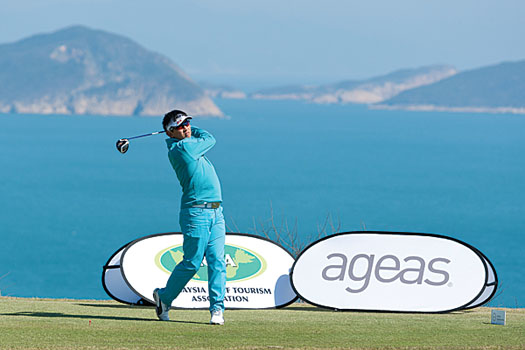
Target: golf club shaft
<point x="153" y="133"/>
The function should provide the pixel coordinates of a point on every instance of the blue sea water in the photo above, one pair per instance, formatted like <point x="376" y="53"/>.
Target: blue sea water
<point x="68" y="199"/>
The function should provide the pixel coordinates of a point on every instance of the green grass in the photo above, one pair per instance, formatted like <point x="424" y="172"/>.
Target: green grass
<point x="65" y="324"/>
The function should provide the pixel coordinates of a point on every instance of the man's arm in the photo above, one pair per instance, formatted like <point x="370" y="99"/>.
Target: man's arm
<point x="201" y="142"/>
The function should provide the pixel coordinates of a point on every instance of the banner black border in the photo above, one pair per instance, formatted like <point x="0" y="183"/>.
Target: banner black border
<point x="487" y="284"/>
<point x="142" y="301"/>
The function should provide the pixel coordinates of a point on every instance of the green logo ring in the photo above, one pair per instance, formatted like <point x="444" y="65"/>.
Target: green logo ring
<point x="241" y="263"/>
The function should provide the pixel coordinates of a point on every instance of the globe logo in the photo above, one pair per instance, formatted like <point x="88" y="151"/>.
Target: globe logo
<point x="241" y="263"/>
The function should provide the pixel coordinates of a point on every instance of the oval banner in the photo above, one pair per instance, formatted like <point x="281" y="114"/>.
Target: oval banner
<point x="257" y="271"/>
<point x="114" y="284"/>
<point x="490" y="287"/>
<point x="393" y="271"/>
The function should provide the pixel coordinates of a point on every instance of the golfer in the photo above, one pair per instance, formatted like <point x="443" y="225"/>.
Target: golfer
<point x="201" y="219"/>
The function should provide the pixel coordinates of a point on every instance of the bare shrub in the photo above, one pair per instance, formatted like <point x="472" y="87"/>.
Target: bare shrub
<point x="287" y="235"/>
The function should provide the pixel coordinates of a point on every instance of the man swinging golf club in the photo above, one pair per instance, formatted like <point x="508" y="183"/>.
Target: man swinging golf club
<point x="201" y="219"/>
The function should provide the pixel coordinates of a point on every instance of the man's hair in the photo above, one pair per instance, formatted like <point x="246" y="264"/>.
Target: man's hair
<point x="169" y="116"/>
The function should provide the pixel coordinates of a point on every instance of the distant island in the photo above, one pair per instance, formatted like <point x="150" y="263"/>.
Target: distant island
<point x="78" y="70"/>
<point x="493" y="89"/>
<point x="222" y="91"/>
<point x="367" y="91"/>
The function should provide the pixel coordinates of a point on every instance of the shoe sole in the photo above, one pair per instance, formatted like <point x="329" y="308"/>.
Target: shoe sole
<point x="158" y="306"/>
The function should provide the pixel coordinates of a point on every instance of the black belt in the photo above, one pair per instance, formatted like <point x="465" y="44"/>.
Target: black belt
<point x="213" y="205"/>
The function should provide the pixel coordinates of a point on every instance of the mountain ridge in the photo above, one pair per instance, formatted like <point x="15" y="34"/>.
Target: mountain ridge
<point x="372" y="90"/>
<point x="78" y="70"/>
<point x="494" y="88"/>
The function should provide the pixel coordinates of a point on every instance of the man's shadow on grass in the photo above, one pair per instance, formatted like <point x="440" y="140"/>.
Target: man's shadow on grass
<point x="89" y="317"/>
<point x="118" y="306"/>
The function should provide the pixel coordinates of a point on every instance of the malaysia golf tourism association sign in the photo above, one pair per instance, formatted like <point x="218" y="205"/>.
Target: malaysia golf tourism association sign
<point x="257" y="272"/>
<point x="395" y="272"/>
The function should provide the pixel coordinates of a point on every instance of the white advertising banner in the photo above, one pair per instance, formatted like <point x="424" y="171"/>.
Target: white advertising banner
<point x="490" y="286"/>
<point x="388" y="271"/>
<point x="114" y="283"/>
<point x="257" y="271"/>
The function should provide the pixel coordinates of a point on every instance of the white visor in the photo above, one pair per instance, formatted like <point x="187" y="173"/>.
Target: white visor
<point x="177" y="121"/>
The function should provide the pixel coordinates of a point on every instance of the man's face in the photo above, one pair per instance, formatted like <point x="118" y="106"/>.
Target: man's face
<point x="181" y="132"/>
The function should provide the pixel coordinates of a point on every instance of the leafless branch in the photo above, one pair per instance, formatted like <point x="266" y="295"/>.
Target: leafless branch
<point x="288" y="236"/>
<point x="235" y="227"/>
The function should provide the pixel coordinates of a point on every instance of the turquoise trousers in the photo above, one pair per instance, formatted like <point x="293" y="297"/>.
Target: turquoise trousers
<point x="204" y="234"/>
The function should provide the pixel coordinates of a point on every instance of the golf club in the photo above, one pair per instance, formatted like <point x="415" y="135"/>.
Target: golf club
<point x="123" y="144"/>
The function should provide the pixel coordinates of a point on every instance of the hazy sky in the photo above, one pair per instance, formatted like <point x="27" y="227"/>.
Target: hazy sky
<point x="263" y="43"/>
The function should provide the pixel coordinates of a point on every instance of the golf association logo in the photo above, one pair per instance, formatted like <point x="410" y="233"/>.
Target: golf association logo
<point x="241" y="263"/>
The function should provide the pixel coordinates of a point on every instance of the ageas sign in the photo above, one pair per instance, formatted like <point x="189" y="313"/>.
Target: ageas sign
<point x="388" y="271"/>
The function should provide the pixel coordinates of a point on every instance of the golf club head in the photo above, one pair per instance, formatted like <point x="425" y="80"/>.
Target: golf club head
<point x="123" y="145"/>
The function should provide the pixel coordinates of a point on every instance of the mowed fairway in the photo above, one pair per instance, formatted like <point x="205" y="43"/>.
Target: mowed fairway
<point x="65" y="324"/>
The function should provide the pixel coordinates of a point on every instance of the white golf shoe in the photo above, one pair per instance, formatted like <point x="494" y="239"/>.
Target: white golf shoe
<point x="217" y="317"/>
<point x="161" y="308"/>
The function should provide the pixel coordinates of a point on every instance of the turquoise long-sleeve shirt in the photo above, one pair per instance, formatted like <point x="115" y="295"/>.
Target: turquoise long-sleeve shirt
<point x="195" y="172"/>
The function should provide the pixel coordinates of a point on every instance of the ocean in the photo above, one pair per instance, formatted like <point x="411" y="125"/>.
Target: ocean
<point x="69" y="199"/>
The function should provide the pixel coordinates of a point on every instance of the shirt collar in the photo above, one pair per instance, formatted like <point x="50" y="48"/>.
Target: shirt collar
<point x="171" y="141"/>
